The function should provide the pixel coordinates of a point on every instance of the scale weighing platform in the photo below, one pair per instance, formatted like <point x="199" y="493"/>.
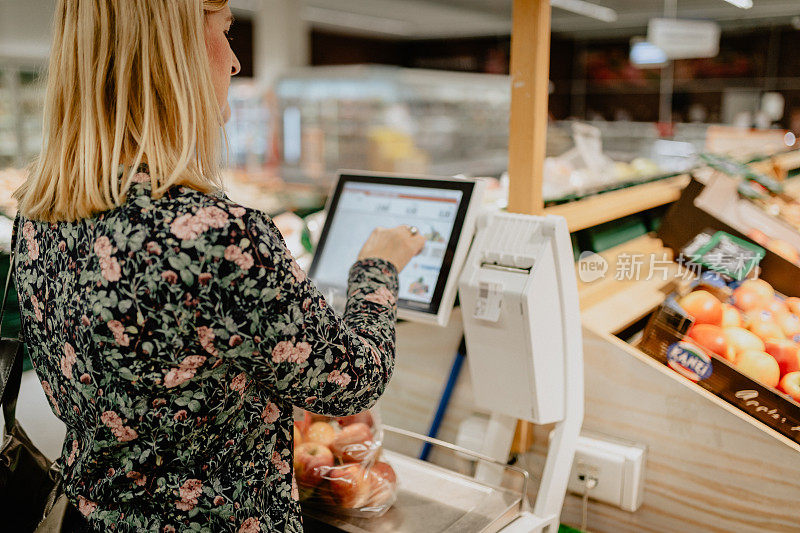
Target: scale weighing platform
<point x="434" y="499"/>
<point x="515" y="277"/>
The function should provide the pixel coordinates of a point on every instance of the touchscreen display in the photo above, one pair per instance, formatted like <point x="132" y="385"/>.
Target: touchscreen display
<point x="362" y="207"/>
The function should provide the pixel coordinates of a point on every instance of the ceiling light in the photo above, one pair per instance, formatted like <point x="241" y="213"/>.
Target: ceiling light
<point x="744" y="4"/>
<point x="587" y="9"/>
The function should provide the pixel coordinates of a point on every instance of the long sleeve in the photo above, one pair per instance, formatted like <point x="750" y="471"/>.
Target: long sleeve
<point x="282" y="332"/>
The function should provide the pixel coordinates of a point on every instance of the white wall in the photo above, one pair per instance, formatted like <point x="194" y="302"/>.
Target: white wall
<point x="25" y="27"/>
<point x="281" y="36"/>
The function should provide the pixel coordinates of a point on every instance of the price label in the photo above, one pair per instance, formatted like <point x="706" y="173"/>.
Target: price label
<point x="490" y="300"/>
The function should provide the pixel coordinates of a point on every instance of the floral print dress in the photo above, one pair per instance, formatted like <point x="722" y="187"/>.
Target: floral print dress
<point x="173" y="336"/>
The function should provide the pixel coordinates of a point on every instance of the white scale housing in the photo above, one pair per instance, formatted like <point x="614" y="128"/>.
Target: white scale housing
<point x="519" y="301"/>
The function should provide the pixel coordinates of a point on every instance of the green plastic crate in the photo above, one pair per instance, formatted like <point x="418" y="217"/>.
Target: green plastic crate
<point x="614" y="233"/>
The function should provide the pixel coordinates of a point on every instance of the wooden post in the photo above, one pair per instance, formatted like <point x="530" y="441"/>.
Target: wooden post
<point x="530" y="83"/>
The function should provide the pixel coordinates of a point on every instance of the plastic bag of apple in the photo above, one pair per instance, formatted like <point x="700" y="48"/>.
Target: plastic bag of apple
<point x="752" y="327"/>
<point x="338" y="466"/>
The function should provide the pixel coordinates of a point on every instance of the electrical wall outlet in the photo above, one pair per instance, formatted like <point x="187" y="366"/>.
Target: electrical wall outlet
<point x="618" y="470"/>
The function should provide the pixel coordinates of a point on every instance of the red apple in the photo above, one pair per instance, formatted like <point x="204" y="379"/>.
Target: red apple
<point x="794" y="305"/>
<point x="731" y="317"/>
<point x="365" y="417"/>
<point x="298" y="436"/>
<point x="348" y="486"/>
<point x="383" y="484"/>
<point x="311" y="462"/>
<point x="760" y="286"/>
<point x="742" y="340"/>
<point x="748" y="299"/>
<point x="765" y="328"/>
<point x="321" y="432"/>
<point x="759" y="366"/>
<point x="790" y="384"/>
<point x="786" y="353"/>
<point x="704" y="307"/>
<point x="712" y="338"/>
<point x="353" y="443"/>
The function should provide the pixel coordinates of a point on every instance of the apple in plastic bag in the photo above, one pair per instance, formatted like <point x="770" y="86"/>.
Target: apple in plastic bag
<point x="303" y="423"/>
<point x="321" y="432"/>
<point x="312" y="461"/>
<point x="365" y="417"/>
<point x="354" y="443"/>
<point x="790" y="384"/>
<point x="348" y="486"/>
<point x="384" y="484"/>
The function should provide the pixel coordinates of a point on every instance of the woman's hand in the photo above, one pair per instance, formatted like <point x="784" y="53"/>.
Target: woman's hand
<point x="396" y="245"/>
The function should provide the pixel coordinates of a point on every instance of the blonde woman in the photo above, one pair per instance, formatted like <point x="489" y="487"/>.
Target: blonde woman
<point x="170" y="328"/>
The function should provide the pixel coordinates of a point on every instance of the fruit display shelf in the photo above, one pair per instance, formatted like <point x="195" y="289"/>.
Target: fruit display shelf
<point x="708" y="461"/>
<point x="434" y="499"/>
<point x="613" y="204"/>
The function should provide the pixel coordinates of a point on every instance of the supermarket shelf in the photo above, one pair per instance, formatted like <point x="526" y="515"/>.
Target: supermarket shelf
<point x="606" y="206"/>
<point x="613" y="205"/>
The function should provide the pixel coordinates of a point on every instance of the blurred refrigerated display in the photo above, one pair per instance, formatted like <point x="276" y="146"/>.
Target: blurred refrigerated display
<point x="391" y="119"/>
<point x="21" y="113"/>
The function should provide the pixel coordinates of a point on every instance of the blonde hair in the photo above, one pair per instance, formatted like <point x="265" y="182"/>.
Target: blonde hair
<point x="128" y="82"/>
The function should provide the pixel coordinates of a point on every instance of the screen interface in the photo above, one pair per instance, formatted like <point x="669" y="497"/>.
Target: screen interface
<point x="361" y="208"/>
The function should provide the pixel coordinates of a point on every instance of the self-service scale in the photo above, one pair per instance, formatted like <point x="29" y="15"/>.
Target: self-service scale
<point x="519" y="298"/>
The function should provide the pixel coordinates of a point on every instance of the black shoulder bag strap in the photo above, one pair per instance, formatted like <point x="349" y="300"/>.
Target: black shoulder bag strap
<point x="10" y="353"/>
